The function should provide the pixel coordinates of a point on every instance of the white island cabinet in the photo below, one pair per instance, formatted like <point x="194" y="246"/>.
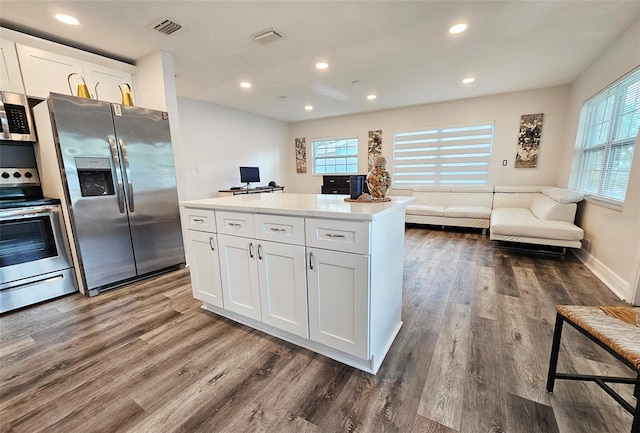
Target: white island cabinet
<point x="313" y="270"/>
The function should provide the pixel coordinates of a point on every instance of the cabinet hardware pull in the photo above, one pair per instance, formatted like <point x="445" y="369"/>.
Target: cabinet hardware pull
<point x="198" y="220"/>
<point x="310" y="262"/>
<point x="211" y="243"/>
<point x="276" y="229"/>
<point x="235" y="225"/>
<point x="251" y="249"/>
<point x="333" y="235"/>
<point x="259" y="251"/>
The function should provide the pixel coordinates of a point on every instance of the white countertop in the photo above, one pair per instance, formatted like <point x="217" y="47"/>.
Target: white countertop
<point x="314" y="205"/>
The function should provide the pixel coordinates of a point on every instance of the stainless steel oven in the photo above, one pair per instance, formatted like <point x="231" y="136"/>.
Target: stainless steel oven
<point x="35" y="264"/>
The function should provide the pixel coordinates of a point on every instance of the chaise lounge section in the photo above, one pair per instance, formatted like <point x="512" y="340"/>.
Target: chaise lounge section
<point x="536" y="215"/>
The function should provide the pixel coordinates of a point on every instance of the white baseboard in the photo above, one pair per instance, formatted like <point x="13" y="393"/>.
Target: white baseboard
<point x="613" y="281"/>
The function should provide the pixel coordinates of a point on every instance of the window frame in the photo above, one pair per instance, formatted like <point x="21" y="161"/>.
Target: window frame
<point x="349" y="146"/>
<point x="611" y="118"/>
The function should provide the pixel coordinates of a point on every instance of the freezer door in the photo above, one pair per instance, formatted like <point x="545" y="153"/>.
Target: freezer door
<point x="150" y="187"/>
<point x="87" y="148"/>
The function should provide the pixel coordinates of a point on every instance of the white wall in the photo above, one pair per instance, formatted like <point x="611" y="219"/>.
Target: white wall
<point x="504" y="109"/>
<point x="156" y="89"/>
<point x="613" y="237"/>
<point x="217" y="140"/>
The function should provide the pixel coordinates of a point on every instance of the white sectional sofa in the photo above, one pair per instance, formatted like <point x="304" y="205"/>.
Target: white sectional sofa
<point x="540" y="215"/>
<point x="457" y="206"/>
<point x="536" y="215"/>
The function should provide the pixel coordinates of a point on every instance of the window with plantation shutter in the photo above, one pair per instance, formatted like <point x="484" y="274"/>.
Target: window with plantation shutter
<point x="607" y="134"/>
<point x="458" y="155"/>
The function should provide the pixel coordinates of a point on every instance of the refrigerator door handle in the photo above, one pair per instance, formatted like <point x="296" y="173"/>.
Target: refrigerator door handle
<point x="116" y="160"/>
<point x="125" y="157"/>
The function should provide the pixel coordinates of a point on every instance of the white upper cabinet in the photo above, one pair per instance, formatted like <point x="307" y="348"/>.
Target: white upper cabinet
<point x="110" y="80"/>
<point x="45" y="72"/>
<point x="10" y="76"/>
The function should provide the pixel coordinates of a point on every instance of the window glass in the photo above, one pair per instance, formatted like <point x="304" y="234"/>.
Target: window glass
<point x="335" y="156"/>
<point x="606" y="138"/>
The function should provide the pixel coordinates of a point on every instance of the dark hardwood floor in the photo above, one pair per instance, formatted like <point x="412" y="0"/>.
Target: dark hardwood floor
<point x="471" y="357"/>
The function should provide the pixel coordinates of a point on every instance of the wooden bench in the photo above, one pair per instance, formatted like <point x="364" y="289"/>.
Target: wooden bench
<point x="616" y="330"/>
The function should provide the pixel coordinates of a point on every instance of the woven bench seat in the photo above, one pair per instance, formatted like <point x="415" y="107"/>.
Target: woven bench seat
<point x="616" y="330"/>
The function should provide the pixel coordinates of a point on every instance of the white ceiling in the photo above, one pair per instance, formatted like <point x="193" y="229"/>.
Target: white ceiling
<point x="399" y="50"/>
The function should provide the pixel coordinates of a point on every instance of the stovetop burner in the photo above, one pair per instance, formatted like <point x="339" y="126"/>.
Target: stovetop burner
<point x="20" y="187"/>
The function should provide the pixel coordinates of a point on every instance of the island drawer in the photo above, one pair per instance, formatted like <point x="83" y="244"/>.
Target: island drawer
<point x="347" y="236"/>
<point x="279" y="228"/>
<point x="236" y="223"/>
<point x="203" y="220"/>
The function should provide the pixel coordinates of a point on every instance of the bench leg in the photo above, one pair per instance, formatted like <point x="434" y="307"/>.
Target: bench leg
<point x="484" y="232"/>
<point x="635" y="427"/>
<point x="555" y="349"/>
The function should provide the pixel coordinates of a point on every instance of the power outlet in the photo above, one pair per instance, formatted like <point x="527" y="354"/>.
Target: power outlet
<point x="198" y="169"/>
<point x="586" y="245"/>
<point x="504" y="162"/>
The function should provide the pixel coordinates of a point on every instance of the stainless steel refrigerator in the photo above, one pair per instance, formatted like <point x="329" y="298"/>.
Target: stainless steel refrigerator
<point x="117" y="174"/>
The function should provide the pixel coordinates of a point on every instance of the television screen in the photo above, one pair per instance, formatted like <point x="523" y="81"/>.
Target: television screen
<point x="249" y="174"/>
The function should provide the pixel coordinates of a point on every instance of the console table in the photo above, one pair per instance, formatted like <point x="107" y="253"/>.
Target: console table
<point x="259" y="190"/>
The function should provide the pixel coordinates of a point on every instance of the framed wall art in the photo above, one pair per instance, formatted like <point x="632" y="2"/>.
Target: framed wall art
<point x="529" y="140"/>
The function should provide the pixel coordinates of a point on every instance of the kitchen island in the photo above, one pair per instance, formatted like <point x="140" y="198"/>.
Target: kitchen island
<point x="313" y="270"/>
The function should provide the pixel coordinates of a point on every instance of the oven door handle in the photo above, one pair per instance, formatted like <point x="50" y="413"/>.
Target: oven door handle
<point x="28" y="212"/>
<point x="116" y="160"/>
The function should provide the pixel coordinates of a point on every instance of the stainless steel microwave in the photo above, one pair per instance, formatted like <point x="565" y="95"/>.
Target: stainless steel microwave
<point x="15" y="118"/>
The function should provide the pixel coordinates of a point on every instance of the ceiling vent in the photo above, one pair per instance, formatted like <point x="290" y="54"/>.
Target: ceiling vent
<point x="166" y="26"/>
<point x="266" y="36"/>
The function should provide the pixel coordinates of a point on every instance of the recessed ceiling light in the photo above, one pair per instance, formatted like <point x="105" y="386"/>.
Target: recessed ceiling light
<point x="322" y="65"/>
<point x="371" y="97"/>
<point x="245" y="84"/>
<point x="468" y="80"/>
<point x="67" y="19"/>
<point x="458" y="28"/>
<point x="308" y="107"/>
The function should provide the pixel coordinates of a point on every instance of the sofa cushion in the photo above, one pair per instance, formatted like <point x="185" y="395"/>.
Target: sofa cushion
<point x="546" y="209"/>
<point x="514" y="189"/>
<point x="562" y="195"/>
<point x="467" y="212"/>
<point x="521" y="222"/>
<point x="472" y="188"/>
<point x="425" y="209"/>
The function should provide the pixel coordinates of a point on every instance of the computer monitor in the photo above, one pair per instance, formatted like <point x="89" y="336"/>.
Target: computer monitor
<point x="249" y="175"/>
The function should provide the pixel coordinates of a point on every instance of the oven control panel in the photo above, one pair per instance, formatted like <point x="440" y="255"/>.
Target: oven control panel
<point x="19" y="176"/>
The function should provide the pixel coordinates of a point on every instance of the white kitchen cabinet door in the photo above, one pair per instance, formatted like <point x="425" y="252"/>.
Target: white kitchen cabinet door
<point x="339" y="300"/>
<point x="239" y="273"/>
<point x="203" y="263"/>
<point x="10" y="75"/>
<point x="283" y="286"/>
<point x="109" y="80"/>
<point x="45" y="72"/>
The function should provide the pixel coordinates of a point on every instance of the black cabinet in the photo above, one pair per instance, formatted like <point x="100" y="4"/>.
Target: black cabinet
<point x="339" y="184"/>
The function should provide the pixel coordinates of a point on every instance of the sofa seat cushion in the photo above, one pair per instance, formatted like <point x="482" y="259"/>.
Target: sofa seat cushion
<point x="521" y="222"/>
<point x="425" y="209"/>
<point x="467" y="212"/>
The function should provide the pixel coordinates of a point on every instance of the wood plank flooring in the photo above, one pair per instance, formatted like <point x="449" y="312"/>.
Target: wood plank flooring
<point x="471" y="357"/>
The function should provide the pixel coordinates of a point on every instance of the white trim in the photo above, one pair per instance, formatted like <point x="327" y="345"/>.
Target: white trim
<point x="613" y="281"/>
